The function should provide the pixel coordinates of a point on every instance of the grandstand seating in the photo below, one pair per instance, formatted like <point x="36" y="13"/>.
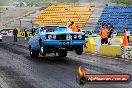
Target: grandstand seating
<point x="118" y="16"/>
<point x="63" y="14"/>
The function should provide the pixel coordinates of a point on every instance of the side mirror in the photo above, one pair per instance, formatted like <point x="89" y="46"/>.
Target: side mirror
<point x="34" y="34"/>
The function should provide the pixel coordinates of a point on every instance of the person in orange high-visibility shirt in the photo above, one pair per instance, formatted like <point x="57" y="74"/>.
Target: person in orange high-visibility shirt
<point x="104" y="35"/>
<point x="73" y="27"/>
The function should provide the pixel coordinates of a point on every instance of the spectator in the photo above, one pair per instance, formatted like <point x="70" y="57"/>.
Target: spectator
<point x="109" y="26"/>
<point x="106" y="4"/>
<point x="127" y="34"/>
<point x="73" y="27"/>
<point x="112" y="34"/>
<point x="104" y="35"/>
<point x="32" y="31"/>
<point x="90" y="33"/>
<point x="111" y="31"/>
<point x="15" y="32"/>
<point x="90" y="9"/>
<point x="79" y="30"/>
<point x="26" y="33"/>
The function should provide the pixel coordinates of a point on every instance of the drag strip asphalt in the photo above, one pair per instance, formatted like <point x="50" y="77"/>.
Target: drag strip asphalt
<point x="19" y="70"/>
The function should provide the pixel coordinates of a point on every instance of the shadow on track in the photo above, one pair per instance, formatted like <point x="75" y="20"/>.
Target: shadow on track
<point x="55" y="60"/>
<point x="51" y="59"/>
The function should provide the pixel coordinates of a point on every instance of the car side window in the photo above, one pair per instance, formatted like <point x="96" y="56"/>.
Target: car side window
<point x="37" y="31"/>
<point x="43" y="29"/>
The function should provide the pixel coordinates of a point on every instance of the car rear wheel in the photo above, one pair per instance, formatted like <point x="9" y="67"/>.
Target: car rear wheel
<point x="0" y="40"/>
<point x="33" y="53"/>
<point x="79" y="50"/>
<point x="62" y="53"/>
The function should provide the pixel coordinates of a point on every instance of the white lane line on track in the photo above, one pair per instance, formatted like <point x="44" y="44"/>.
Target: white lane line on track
<point x="3" y="83"/>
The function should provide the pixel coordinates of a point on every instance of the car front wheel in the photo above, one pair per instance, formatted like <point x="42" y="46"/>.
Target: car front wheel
<point x="42" y="49"/>
<point x="79" y="50"/>
<point x="0" y="40"/>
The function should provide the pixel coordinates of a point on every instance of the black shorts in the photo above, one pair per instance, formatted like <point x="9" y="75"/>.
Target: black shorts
<point x="128" y="38"/>
<point x="104" y="40"/>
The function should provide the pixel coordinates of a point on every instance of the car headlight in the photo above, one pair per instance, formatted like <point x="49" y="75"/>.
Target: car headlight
<point x="49" y="36"/>
<point x="75" y="36"/>
<point x="68" y="37"/>
<point x="80" y="36"/>
<point x="54" y="36"/>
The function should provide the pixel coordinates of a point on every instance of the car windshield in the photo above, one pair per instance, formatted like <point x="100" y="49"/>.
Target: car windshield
<point x="63" y="29"/>
<point x="36" y="28"/>
<point x="86" y="32"/>
<point x="49" y="28"/>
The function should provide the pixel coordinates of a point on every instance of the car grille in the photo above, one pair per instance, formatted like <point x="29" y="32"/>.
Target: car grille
<point x="61" y="37"/>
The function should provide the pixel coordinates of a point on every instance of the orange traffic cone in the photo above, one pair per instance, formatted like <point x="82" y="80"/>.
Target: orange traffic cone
<point x="125" y="41"/>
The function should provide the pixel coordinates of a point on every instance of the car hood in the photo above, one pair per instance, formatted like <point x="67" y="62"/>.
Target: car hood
<point x="57" y="33"/>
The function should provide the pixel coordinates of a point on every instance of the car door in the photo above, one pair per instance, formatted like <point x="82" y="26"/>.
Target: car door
<point x="36" y="38"/>
<point x="34" y="41"/>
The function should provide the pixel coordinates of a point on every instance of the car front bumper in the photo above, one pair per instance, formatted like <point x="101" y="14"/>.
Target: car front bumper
<point x="64" y="42"/>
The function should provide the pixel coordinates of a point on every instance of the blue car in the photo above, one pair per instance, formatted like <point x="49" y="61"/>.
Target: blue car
<point x="55" y="39"/>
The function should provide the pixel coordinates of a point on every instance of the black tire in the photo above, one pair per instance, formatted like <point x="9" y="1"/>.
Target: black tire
<point x="33" y="53"/>
<point x="0" y="40"/>
<point x="79" y="50"/>
<point x="42" y="50"/>
<point x="62" y="53"/>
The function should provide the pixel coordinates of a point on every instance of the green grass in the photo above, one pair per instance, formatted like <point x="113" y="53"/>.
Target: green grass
<point x="39" y="2"/>
<point x="125" y="2"/>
